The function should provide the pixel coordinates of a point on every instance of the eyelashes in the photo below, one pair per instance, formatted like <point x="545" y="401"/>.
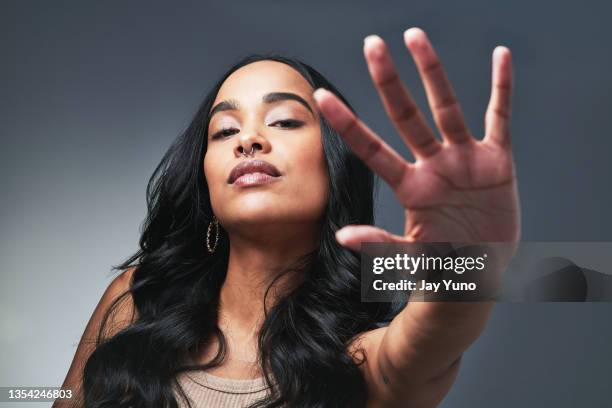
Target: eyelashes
<point x="286" y="124"/>
<point x="291" y="123"/>
<point x="224" y="133"/>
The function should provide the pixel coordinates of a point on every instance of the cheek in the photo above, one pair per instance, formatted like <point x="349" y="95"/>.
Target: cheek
<point x="212" y="174"/>
<point x="208" y="173"/>
<point x="313" y="186"/>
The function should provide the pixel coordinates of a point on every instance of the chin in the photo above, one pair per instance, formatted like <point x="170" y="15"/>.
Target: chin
<point x="254" y="209"/>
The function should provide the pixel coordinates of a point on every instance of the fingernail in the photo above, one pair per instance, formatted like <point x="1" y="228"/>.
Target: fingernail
<point x="375" y="44"/>
<point x="319" y="93"/>
<point x="341" y="235"/>
<point x="371" y="39"/>
<point x="412" y="31"/>
<point x="501" y="49"/>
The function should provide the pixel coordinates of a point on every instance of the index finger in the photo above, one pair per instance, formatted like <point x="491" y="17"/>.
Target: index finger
<point x="368" y="146"/>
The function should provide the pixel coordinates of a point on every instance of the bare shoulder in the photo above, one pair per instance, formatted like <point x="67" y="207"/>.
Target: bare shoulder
<point x="381" y="393"/>
<point x="118" y="290"/>
<point x="114" y="311"/>
<point x="118" y="302"/>
<point x="364" y="350"/>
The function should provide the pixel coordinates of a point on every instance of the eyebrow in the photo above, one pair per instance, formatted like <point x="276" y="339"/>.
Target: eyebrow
<point x="271" y="97"/>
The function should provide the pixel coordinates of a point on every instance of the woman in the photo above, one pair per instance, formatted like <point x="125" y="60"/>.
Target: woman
<point x="246" y="286"/>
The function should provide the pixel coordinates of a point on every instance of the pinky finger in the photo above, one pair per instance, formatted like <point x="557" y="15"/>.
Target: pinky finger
<point x="497" y="117"/>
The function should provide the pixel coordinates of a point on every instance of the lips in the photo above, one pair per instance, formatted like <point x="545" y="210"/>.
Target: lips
<point x="252" y="166"/>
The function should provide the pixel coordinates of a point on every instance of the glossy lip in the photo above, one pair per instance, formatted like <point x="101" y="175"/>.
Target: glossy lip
<point x="254" y="179"/>
<point x="252" y="166"/>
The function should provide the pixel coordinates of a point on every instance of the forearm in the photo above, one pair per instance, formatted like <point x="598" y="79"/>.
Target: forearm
<point x="426" y="338"/>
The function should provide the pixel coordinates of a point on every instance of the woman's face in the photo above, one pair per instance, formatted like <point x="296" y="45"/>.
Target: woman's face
<point x="266" y="107"/>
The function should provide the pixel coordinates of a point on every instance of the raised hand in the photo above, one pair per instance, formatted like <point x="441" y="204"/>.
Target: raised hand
<point x="459" y="189"/>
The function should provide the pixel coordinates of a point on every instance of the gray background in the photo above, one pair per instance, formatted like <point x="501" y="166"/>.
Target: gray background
<point x="93" y="94"/>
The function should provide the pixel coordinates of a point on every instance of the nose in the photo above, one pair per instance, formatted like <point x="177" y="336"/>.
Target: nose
<point x="249" y="143"/>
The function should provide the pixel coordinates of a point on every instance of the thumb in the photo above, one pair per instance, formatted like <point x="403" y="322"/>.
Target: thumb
<point x="353" y="235"/>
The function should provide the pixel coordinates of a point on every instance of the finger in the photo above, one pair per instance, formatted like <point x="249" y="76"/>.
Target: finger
<point x="398" y="103"/>
<point x="370" y="148"/>
<point x="353" y="235"/>
<point x="497" y="117"/>
<point x="440" y="95"/>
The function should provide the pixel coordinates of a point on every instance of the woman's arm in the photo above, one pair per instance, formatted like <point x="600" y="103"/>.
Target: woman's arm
<point x="420" y="352"/>
<point x="390" y="388"/>
<point x="120" y="317"/>
<point x="459" y="190"/>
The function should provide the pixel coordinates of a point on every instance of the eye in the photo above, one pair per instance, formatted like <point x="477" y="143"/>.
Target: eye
<point x="224" y="132"/>
<point x="288" y="123"/>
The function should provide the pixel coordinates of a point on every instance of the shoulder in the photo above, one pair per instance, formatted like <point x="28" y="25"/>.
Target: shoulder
<point x="366" y="346"/>
<point x="122" y="282"/>
<point x="114" y="312"/>
<point x="115" y="309"/>
<point x="363" y="348"/>
<point x="117" y="301"/>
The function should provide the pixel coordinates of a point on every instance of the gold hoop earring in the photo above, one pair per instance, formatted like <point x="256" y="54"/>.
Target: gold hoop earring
<point x="214" y="222"/>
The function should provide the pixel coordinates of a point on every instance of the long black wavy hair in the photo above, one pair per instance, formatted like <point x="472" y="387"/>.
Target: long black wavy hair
<point x="176" y="285"/>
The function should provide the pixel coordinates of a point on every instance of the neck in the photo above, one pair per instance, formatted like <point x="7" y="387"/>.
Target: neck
<point x="255" y="260"/>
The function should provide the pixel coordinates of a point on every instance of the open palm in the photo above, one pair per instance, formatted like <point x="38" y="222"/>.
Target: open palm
<point x="459" y="189"/>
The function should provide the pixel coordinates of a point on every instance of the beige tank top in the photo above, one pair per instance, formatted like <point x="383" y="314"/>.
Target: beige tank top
<point x="207" y="390"/>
